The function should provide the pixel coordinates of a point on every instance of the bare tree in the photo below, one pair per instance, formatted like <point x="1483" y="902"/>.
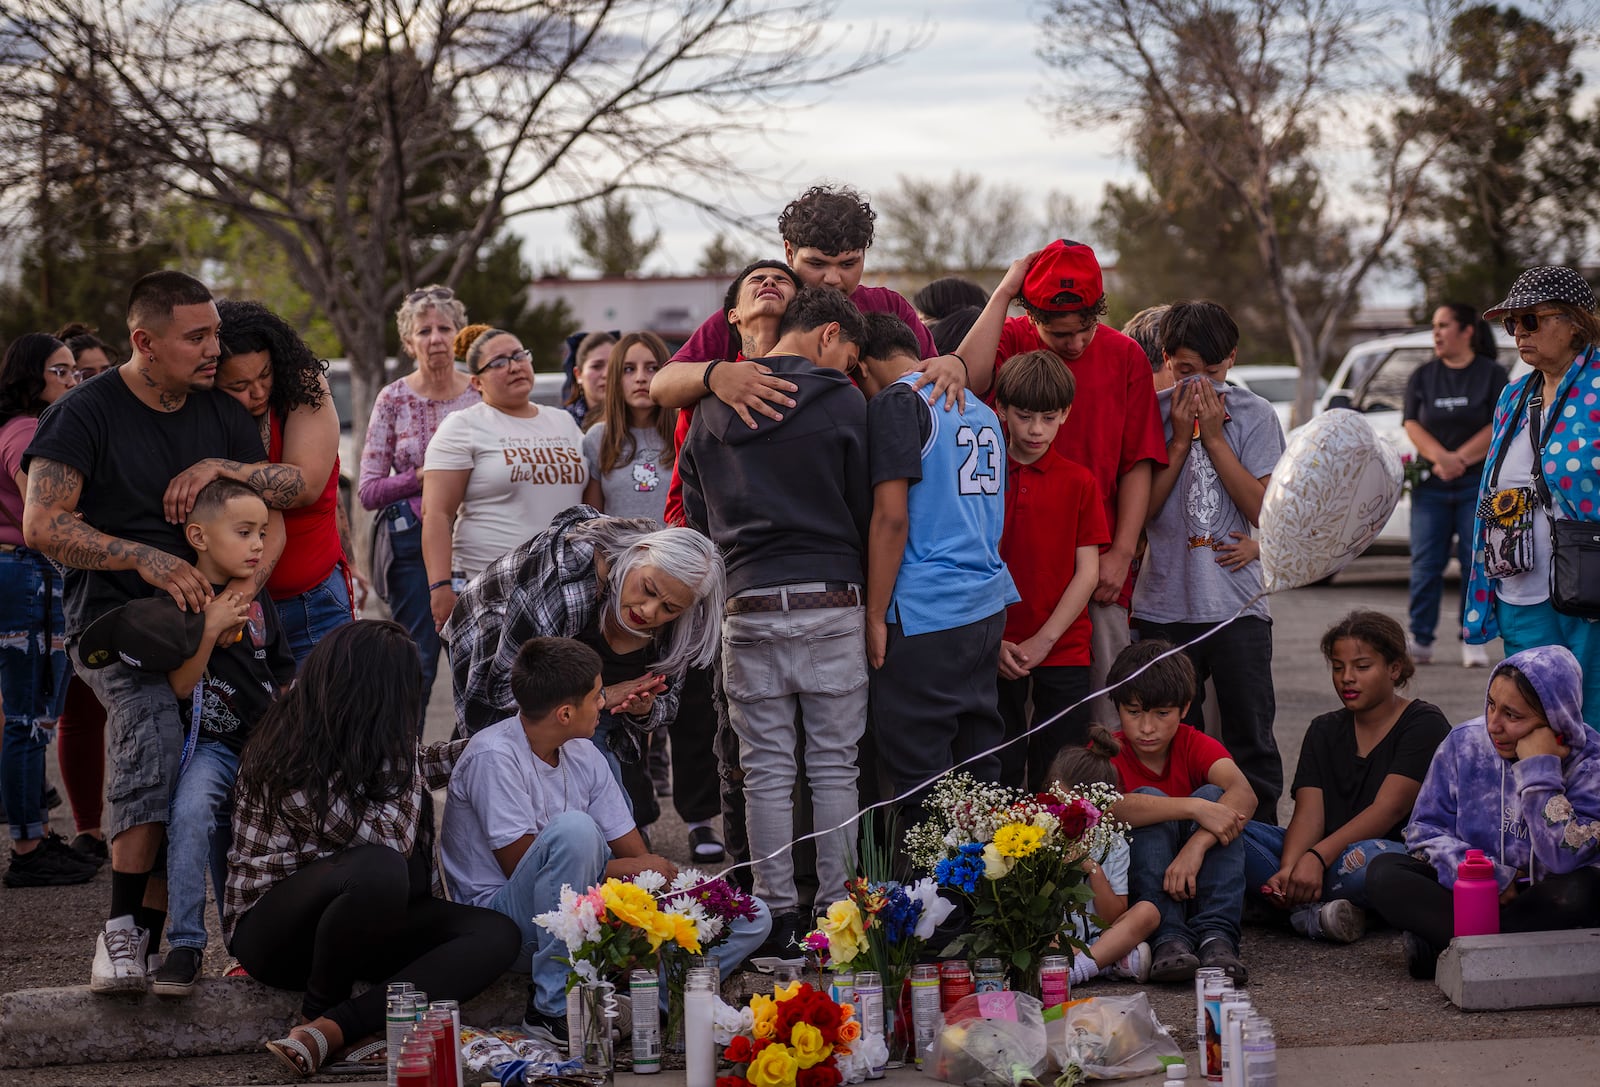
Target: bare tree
<point x="937" y="228"/>
<point x="1253" y="84"/>
<point x="382" y="143"/>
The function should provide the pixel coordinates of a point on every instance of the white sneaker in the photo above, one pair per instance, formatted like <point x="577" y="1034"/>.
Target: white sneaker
<point x="1134" y="966"/>
<point x="1474" y="656"/>
<point x="1341" y="921"/>
<point x="1420" y="654"/>
<point x="119" y="958"/>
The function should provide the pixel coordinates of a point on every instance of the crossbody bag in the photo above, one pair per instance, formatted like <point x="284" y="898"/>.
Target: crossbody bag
<point x="1507" y="512"/>
<point x="1574" y="544"/>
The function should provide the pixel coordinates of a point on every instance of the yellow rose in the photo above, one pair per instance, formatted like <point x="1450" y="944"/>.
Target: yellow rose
<point x="809" y="1046"/>
<point x="685" y="934"/>
<point x="774" y="1066"/>
<point x="996" y="865"/>
<point x="1017" y="839"/>
<point x="765" y="1011"/>
<point x="842" y="926"/>
<point x="787" y="992"/>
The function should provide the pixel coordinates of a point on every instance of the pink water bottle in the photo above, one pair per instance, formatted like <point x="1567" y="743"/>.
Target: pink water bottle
<point x="1477" y="896"/>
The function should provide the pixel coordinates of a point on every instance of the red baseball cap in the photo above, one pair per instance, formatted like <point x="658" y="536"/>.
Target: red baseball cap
<point x="1065" y="278"/>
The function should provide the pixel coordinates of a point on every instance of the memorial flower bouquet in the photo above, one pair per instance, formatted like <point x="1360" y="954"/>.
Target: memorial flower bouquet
<point x="798" y="1037"/>
<point x="1019" y="859"/>
<point x="713" y="904"/>
<point x="616" y="926"/>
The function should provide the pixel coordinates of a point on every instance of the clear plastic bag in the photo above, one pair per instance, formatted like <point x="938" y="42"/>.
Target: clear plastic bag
<point x="990" y="1040"/>
<point x="1108" y="1037"/>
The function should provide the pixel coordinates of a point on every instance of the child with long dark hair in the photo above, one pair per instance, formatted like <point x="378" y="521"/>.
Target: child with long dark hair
<point x="329" y="877"/>
<point x="630" y="451"/>
<point x="1360" y="770"/>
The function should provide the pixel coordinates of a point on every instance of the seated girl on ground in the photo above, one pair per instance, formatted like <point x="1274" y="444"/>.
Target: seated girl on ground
<point x="1359" y="773"/>
<point x="1118" y="950"/>
<point x="1521" y="783"/>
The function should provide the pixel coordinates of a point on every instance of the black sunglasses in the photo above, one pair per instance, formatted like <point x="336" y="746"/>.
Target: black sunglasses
<point x="1528" y="321"/>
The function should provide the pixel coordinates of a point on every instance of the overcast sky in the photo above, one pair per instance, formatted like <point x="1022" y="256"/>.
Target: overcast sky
<point x="968" y="100"/>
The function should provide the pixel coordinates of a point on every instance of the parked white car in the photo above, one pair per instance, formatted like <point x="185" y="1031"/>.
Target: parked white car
<point x="1372" y="380"/>
<point x="1275" y="385"/>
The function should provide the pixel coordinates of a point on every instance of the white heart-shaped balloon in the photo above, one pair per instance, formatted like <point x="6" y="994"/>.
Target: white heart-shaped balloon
<point x="1332" y="491"/>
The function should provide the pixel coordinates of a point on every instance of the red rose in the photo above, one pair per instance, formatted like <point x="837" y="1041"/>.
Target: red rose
<point x="818" y="1075"/>
<point x="738" y="1050"/>
<point x="825" y="1015"/>
<point x="1075" y="820"/>
<point x="732" y="1081"/>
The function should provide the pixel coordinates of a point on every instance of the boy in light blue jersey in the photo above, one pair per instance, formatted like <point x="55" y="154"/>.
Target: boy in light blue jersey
<point x="937" y="590"/>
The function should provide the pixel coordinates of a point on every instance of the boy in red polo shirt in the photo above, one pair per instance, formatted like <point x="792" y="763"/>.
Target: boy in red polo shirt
<point x="1053" y="531"/>
<point x="1116" y="432"/>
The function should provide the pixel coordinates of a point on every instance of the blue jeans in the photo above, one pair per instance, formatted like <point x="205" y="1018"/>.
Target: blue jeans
<point x="1346" y="876"/>
<point x="309" y="617"/>
<point x="1218" y="887"/>
<point x="571" y="851"/>
<point x="408" y="598"/>
<point x="1441" y="512"/>
<point x="1524" y="626"/>
<point x="197" y="839"/>
<point x="33" y="682"/>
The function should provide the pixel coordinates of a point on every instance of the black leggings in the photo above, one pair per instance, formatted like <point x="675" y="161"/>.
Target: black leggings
<point x="1407" y="892"/>
<point x="356" y="916"/>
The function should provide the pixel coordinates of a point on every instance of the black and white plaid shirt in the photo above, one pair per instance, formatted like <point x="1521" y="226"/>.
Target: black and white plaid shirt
<point x="546" y="587"/>
<point x="270" y="847"/>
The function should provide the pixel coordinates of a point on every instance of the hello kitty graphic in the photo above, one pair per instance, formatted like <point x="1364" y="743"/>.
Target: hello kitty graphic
<point x="645" y="476"/>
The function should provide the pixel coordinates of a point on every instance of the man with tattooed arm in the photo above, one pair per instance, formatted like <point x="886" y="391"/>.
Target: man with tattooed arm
<point x="97" y="470"/>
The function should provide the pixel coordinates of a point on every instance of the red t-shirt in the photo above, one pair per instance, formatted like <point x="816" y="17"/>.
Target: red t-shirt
<point x="311" y="546"/>
<point x="1114" y="422"/>
<point x="1190" y="758"/>
<point x="710" y="341"/>
<point x="1052" y="508"/>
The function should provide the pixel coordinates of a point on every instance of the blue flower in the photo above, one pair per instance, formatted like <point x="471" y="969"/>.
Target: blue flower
<point x="899" y="915"/>
<point x="961" y="871"/>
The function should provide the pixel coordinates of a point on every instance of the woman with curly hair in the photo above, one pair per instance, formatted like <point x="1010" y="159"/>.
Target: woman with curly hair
<point x="37" y="372"/>
<point x="497" y="472"/>
<point x="268" y="368"/>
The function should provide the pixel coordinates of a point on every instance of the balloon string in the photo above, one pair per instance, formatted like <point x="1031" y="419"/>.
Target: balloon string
<point x="915" y="789"/>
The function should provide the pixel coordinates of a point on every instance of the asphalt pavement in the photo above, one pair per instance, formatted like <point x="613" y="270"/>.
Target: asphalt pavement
<point x="1330" y="1004"/>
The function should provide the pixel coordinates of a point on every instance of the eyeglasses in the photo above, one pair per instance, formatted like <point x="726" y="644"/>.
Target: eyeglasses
<point x="442" y="294"/>
<point x="1529" y="321"/>
<point x="500" y="362"/>
<point x="64" y="373"/>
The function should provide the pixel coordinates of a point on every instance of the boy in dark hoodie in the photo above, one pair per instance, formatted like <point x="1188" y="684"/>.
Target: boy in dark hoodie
<point x="1522" y="784"/>
<point x="789" y="503"/>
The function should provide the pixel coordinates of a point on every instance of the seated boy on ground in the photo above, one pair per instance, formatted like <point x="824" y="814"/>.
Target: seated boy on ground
<point x="1054" y="528"/>
<point x="225" y="666"/>
<point x="528" y="811"/>
<point x="1187" y="802"/>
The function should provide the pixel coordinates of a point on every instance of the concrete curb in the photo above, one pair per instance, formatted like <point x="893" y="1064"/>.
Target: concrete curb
<point x="1522" y="970"/>
<point x="221" y="1016"/>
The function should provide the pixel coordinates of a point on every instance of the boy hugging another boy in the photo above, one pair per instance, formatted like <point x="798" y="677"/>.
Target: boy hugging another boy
<point x="936" y="588"/>
<point x="788" y="504"/>
<point x="1222" y="444"/>
<point x="1187" y="803"/>
<point x="1053" y="531"/>
<point x="225" y="665"/>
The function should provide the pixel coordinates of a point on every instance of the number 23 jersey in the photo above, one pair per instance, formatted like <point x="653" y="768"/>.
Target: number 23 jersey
<point x="955" y="462"/>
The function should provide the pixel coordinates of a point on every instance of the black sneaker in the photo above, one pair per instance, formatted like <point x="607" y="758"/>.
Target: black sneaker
<point x="178" y="973"/>
<point x="551" y="1029"/>
<point x="51" y="800"/>
<point x="90" y="848"/>
<point x="787" y="927"/>
<point x="46" y="867"/>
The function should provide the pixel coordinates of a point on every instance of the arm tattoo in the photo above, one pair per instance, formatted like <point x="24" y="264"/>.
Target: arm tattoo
<point x="54" y="489"/>
<point x="277" y="484"/>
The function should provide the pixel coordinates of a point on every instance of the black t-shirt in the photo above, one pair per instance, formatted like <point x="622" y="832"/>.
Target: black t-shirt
<point x="242" y="679"/>
<point x="1453" y="405"/>
<point x="616" y="667"/>
<point x="897" y="428"/>
<point x="128" y="453"/>
<point x="1350" y="783"/>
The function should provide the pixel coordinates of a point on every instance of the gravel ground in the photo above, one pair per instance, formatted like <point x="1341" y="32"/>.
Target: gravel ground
<point x="1315" y="994"/>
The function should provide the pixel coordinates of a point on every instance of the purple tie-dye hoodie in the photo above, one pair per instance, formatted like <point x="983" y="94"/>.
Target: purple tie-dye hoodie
<point x="1540" y="815"/>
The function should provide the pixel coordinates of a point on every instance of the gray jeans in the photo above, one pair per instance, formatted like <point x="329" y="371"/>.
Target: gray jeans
<point x="775" y="663"/>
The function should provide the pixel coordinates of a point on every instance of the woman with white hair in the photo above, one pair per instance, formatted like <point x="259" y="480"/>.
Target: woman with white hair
<point x="647" y="599"/>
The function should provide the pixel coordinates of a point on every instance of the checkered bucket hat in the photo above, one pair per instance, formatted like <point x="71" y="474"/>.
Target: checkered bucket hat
<point x="1547" y="284"/>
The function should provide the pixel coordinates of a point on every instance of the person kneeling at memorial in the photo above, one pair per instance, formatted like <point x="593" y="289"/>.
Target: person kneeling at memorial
<point x="1522" y="784"/>
<point x="529" y="811"/>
